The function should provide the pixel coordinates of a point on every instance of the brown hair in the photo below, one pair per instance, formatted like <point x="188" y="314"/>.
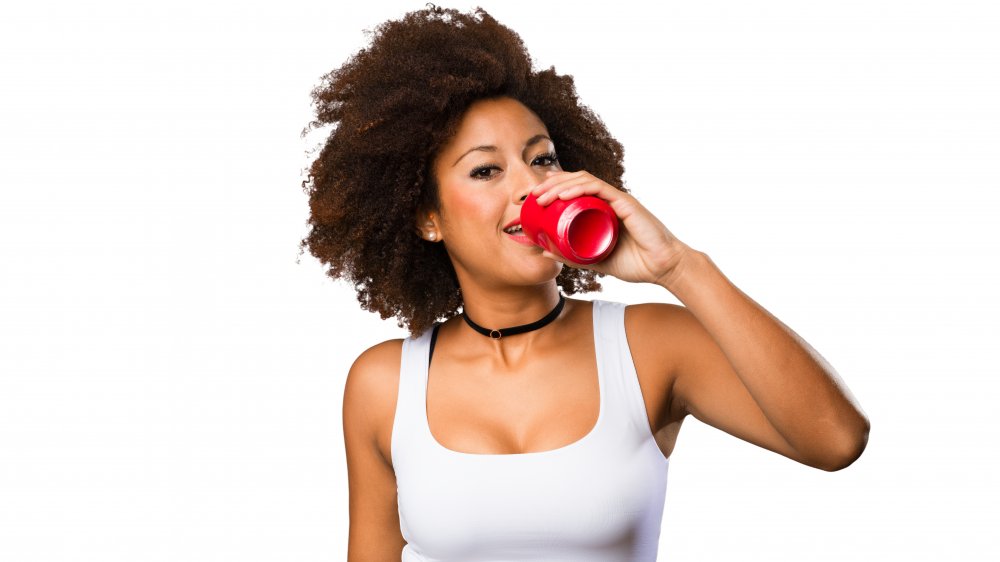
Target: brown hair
<point x="393" y="105"/>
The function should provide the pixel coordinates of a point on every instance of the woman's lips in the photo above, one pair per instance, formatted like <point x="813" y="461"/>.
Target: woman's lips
<point x="520" y="239"/>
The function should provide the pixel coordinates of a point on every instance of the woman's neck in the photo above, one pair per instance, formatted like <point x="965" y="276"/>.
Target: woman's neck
<point x="496" y="310"/>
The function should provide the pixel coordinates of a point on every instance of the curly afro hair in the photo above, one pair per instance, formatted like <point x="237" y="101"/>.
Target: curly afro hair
<point x="393" y="105"/>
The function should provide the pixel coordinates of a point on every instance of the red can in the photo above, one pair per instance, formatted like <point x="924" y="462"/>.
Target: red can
<point x="582" y="230"/>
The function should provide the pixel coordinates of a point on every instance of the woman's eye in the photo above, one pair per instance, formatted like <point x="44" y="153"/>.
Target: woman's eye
<point x="482" y="172"/>
<point x="551" y="157"/>
<point x="478" y="172"/>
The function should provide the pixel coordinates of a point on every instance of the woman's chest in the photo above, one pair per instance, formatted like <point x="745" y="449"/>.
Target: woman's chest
<point x="578" y="504"/>
<point x="478" y="406"/>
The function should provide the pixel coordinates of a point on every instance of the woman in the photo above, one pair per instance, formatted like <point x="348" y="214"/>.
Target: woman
<point x="529" y="426"/>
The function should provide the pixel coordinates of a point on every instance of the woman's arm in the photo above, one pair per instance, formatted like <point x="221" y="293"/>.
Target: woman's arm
<point x="736" y="352"/>
<point x="738" y="368"/>
<point x="369" y="405"/>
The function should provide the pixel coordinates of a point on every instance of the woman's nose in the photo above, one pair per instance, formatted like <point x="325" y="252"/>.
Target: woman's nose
<point x="529" y="183"/>
<point x="525" y="188"/>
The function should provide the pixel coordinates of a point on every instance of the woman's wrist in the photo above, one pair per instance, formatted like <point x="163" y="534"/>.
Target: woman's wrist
<point x="689" y="265"/>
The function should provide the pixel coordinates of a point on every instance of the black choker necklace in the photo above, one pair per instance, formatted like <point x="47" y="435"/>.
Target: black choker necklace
<point x="497" y="334"/>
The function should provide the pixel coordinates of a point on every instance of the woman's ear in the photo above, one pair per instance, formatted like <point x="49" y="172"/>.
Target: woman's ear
<point x="427" y="227"/>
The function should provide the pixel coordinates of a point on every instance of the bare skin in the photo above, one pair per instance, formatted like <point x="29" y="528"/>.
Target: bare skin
<point x="720" y="357"/>
<point x="475" y="404"/>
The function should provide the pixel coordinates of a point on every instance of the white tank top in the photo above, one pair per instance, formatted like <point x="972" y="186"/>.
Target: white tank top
<point x="597" y="499"/>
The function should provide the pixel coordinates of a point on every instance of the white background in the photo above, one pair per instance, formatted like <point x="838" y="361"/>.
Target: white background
<point x="173" y="369"/>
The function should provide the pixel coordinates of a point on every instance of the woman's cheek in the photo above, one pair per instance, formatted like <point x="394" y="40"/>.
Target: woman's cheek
<point x="477" y="208"/>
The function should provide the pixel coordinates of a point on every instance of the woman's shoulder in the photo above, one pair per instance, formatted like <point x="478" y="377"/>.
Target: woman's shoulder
<point x="655" y="333"/>
<point x="378" y="354"/>
<point x="373" y="379"/>
<point x="371" y="388"/>
<point x="653" y="312"/>
<point x="648" y="315"/>
<point x="375" y="371"/>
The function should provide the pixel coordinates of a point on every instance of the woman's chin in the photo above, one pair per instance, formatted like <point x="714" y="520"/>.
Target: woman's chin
<point x="539" y="268"/>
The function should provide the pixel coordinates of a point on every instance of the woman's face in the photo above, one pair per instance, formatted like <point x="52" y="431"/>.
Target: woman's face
<point x="500" y="151"/>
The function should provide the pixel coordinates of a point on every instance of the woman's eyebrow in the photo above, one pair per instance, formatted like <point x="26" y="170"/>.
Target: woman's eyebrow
<point x="492" y="148"/>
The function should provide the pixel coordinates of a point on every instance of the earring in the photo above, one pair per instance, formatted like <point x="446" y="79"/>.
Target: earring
<point x="431" y="236"/>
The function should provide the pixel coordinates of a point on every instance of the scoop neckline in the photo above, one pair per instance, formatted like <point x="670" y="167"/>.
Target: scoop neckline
<point x="530" y="454"/>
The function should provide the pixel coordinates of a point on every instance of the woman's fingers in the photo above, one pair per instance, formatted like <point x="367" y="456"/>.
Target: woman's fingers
<point x="556" y="179"/>
<point x="577" y="186"/>
<point x="551" y="195"/>
<point x="576" y="190"/>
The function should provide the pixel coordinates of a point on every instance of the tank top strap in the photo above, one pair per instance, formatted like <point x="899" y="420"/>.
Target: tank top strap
<point x="624" y="395"/>
<point x="407" y="425"/>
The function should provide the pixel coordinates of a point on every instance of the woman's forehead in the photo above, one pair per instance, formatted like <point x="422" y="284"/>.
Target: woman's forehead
<point x="494" y="123"/>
